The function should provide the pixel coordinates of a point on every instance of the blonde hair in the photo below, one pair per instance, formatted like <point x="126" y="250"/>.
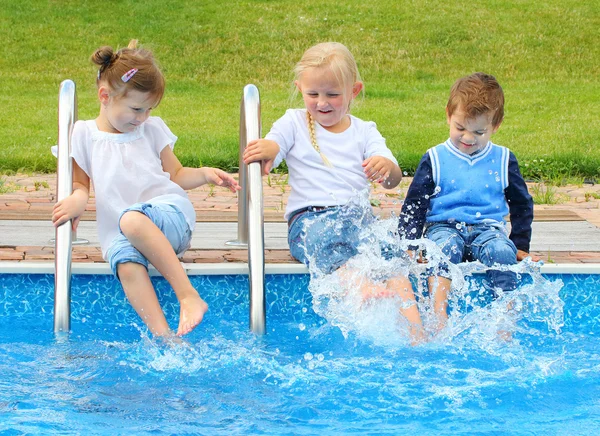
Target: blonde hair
<point x="334" y="56"/>
<point x="342" y="64"/>
<point x="114" y="66"/>
<point x="475" y="95"/>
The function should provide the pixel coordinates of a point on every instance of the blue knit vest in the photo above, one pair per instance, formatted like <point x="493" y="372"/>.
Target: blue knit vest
<point x="469" y="189"/>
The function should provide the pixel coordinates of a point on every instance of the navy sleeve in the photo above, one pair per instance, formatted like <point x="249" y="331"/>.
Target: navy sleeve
<point x="416" y="204"/>
<point x="520" y="205"/>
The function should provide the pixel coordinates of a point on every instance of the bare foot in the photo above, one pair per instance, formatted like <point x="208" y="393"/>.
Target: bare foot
<point x="191" y="313"/>
<point x="170" y="339"/>
<point x="505" y="335"/>
<point x="417" y="335"/>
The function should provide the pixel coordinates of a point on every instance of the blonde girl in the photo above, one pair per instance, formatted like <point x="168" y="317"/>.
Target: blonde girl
<point x="330" y="155"/>
<point x="143" y="212"/>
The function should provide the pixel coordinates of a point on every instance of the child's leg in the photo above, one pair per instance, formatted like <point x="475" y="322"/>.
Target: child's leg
<point x="493" y="247"/>
<point x="140" y="293"/>
<point x="328" y="241"/>
<point x="145" y="236"/>
<point x="452" y="244"/>
<point x="399" y="286"/>
<point x="403" y="288"/>
<point x="439" y="288"/>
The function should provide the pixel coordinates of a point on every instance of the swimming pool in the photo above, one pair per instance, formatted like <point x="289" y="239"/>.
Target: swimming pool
<point x="303" y="377"/>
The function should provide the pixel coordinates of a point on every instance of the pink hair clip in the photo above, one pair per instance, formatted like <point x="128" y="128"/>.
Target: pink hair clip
<point x="128" y="75"/>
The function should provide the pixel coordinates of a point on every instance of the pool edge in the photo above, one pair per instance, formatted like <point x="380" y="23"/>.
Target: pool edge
<point x="238" y="268"/>
<point x="191" y="268"/>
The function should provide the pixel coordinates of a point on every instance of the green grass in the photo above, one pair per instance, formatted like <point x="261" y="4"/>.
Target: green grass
<point x="546" y="194"/>
<point x="544" y="53"/>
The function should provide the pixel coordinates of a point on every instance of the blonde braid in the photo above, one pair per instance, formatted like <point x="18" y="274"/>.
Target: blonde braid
<point x="313" y="139"/>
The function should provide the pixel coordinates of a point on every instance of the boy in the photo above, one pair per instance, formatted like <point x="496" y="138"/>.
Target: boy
<point x="463" y="189"/>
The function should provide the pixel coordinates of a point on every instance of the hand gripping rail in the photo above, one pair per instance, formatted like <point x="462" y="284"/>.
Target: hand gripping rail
<point x="250" y="209"/>
<point x="67" y="115"/>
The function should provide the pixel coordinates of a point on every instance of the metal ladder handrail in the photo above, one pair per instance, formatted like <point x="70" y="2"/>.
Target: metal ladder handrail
<point x="250" y="209"/>
<point x="67" y="115"/>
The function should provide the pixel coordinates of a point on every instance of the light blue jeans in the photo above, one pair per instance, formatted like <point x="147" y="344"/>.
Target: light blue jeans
<point x="169" y="219"/>
<point x="486" y="243"/>
<point x="329" y="238"/>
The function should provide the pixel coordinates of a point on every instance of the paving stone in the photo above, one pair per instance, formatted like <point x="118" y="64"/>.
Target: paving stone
<point x="11" y="255"/>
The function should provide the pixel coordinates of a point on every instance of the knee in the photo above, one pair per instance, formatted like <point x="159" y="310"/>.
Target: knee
<point x="451" y="245"/>
<point x="498" y="250"/>
<point x="130" y="222"/>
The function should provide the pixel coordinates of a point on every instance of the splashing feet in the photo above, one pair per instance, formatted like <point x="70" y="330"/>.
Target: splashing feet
<point x="191" y="313"/>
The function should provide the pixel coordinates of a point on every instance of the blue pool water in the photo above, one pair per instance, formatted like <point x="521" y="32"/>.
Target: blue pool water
<point x="304" y="376"/>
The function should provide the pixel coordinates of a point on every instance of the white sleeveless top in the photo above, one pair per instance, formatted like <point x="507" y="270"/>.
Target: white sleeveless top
<point x="125" y="168"/>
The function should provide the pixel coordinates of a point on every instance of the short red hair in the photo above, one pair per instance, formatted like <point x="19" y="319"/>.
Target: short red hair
<point x="476" y="95"/>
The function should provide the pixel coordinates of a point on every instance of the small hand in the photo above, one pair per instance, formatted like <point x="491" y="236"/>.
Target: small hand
<point x="221" y="178"/>
<point x="69" y="208"/>
<point x="521" y="255"/>
<point x="261" y="150"/>
<point x="378" y="168"/>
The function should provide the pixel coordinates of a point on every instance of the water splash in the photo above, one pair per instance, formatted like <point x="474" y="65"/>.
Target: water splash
<point x="535" y="308"/>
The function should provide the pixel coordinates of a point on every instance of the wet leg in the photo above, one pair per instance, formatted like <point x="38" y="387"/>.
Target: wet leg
<point x="409" y="309"/>
<point x="141" y="295"/>
<point x="154" y="245"/>
<point x="439" y="288"/>
<point x="399" y="286"/>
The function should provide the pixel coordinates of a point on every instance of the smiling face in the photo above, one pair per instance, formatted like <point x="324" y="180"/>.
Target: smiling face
<point x="326" y="99"/>
<point x="470" y="134"/>
<point x="123" y="114"/>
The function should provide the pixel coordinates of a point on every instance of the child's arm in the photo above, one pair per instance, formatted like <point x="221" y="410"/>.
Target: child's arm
<point x="414" y="210"/>
<point x="520" y="206"/>
<point x="382" y="170"/>
<point x="190" y="178"/>
<point x="74" y="205"/>
<point x="261" y="149"/>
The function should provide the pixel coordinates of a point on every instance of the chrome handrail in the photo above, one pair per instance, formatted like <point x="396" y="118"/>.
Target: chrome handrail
<point x="250" y="209"/>
<point x="67" y="115"/>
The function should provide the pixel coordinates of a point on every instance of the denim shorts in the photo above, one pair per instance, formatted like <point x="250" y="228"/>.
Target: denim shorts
<point x="487" y="243"/>
<point x="169" y="219"/>
<point x="327" y="238"/>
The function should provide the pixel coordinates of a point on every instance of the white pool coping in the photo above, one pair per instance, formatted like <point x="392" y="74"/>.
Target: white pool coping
<point x="240" y="268"/>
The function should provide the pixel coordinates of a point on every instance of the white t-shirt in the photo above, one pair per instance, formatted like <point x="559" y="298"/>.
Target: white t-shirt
<point x="125" y="168"/>
<point x="313" y="183"/>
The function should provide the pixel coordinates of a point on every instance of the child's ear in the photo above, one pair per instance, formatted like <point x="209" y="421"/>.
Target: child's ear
<point x="356" y="88"/>
<point x="447" y="116"/>
<point x="103" y="94"/>
<point x="297" y="83"/>
<point x="495" y="128"/>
